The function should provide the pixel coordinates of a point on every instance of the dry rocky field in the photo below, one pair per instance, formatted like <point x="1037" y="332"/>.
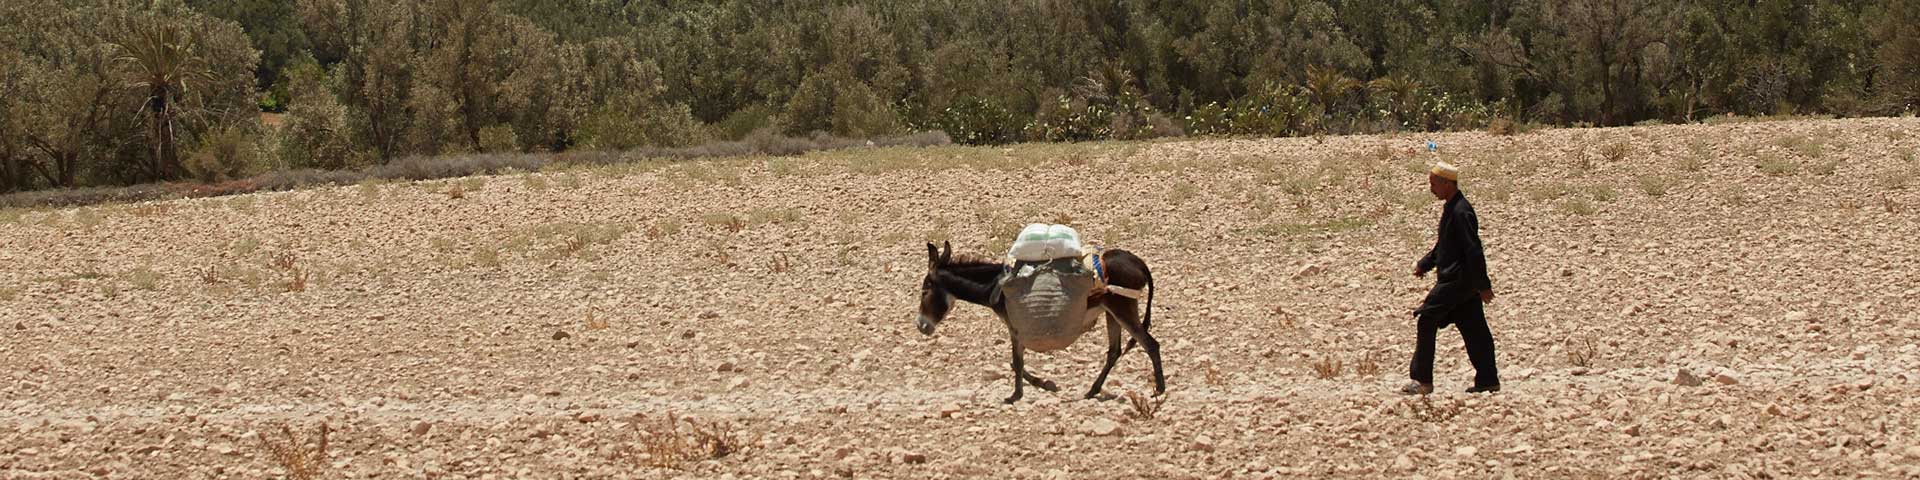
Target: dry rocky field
<point x="1715" y="301"/>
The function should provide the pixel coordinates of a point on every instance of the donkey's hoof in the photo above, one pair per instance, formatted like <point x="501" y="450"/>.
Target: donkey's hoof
<point x="1048" y="385"/>
<point x="1010" y="400"/>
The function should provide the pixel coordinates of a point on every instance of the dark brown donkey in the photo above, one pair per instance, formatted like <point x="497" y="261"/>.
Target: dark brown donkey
<point x="976" y="281"/>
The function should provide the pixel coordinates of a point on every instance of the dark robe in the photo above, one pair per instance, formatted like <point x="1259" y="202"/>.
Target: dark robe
<point x="1461" y="273"/>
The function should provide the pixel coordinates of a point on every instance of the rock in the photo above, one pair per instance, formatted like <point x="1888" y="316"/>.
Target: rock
<point x="738" y="383"/>
<point x="948" y="410"/>
<point x="913" y="458"/>
<point x="1725" y="379"/>
<point x="724" y="367"/>
<point x="421" y="428"/>
<point x="561" y="335"/>
<point x="1913" y="452"/>
<point x="708" y="315"/>
<point x="1685" y="378"/>
<point x="1202" y="444"/>
<point x="1798" y="317"/>
<point x="1100" y="427"/>
<point x="19" y="326"/>
<point x="1466" y="451"/>
<point x="587" y="417"/>
<point x="1633" y="430"/>
<point x="1308" y="271"/>
<point x="1403" y="463"/>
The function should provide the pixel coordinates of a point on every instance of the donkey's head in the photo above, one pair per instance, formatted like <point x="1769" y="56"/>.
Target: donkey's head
<point x="935" y="301"/>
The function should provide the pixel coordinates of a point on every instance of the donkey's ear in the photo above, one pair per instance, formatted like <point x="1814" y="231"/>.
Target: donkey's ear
<point x="947" y="255"/>
<point x="933" y="254"/>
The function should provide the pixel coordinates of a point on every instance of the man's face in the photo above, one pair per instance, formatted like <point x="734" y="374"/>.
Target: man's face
<point x="1441" y="187"/>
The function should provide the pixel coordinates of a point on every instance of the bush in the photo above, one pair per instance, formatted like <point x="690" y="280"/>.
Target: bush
<point x="977" y="121"/>
<point x="225" y="154"/>
<point x="498" y="139"/>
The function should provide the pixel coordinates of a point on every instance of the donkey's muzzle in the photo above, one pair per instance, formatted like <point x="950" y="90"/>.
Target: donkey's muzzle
<point x="924" y="324"/>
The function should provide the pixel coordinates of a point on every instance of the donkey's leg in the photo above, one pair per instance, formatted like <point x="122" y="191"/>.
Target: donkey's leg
<point x="1038" y="382"/>
<point x="1019" y="370"/>
<point x="1113" y="355"/>
<point x="1130" y="319"/>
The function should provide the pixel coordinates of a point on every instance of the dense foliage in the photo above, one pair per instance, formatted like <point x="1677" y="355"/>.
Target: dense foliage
<point x="101" y="92"/>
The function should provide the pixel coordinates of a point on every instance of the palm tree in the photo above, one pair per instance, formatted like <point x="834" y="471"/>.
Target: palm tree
<point x="1329" y="87"/>
<point x="164" y="60"/>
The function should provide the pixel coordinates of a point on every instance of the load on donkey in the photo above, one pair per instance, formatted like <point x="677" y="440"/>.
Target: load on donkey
<point x="1049" y="290"/>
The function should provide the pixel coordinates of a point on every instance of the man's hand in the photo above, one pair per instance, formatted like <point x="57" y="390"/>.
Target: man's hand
<point x="1486" y="296"/>
<point x="1419" y="272"/>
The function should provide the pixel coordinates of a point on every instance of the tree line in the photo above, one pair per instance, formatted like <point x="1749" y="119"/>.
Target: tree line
<point x="111" y="92"/>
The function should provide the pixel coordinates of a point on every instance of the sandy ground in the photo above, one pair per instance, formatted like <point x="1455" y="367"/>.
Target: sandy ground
<point x="549" y="326"/>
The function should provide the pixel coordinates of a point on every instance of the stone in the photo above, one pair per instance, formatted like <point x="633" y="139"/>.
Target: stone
<point x="1798" y="317"/>
<point x="1726" y="379"/>
<point x="421" y="428"/>
<point x="948" y="410"/>
<point x="1685" y="378"/>
<point x="913" y="458"/>
<point x="1403" y="463"/>
<point x="1466" y="451"/>
<point x="561" y="335"/>
<point x="1100" y="427"/>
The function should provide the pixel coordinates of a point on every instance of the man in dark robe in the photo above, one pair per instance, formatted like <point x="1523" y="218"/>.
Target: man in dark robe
<point x="1460" y="288"/>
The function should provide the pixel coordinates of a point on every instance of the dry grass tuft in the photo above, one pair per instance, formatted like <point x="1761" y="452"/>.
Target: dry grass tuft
<point x="1655" y="185"/>
<point x="1581" y="352"/>
<point x="674" y="442"/>
<point x="1144" y="407"/>
<point x="1369" y="364"/>
<point x="1327" y="367"/>
<point x="1774" y="165"/>
<point x="1616" y="151"/>
<point x="302" y="458"/>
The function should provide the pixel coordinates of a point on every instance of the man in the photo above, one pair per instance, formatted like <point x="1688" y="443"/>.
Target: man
<point x="1459" y="289"/>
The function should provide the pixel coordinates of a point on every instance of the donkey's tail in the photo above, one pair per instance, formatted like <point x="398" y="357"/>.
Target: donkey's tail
<point x="1146" y="321"/>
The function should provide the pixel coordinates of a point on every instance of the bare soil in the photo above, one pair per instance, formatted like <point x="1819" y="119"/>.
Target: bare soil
<point x="548" y="325"/>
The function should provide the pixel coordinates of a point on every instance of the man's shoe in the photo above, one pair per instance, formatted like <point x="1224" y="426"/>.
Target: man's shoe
<point x="1484" y="389"/>
<point x="1416" y="388"/>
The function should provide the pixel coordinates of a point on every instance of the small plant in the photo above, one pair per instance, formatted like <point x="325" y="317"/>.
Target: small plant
<point x="456" y="192"/>
<point x="596" y="319"/>
<point x="1182" y="192"/>
<point x="11" y="215"/>
<point x="1581" y="352"/>
<point x="535" y="182"/>
<point x="1803" y="145"/>
<point x="1825" y="168"/>
<point x="474" y="184"/>
<point x="242" y="204"/>
<point x="302" y="458"/>
<point x="246" y="246"/>
<point x="780" y="263"/>
<point x="570" y="181"/>
<point x="674" y="442"/>
<point x="486" y="256"/>
<point x="1655" y="185"/>
<point x="369" y="190"/>
<point x="1144" y="407"/>
<point x="151" y="210"/>
<point x="1616" y="151"/>
<point x="767" y="216"/>
<point x="1602" y="193"/>
<point x="210" y="275"/>
<point x="1777" y="166"/>
<point x="8" y="294"/>
<point x="665" y="227"/>
<point x="1735" y="195"/>
<point x="143" y="278"/>
<point x="87" y="218"/>
<point x="726" y="221"/>
<point x="1369" y="364"/>
<point x="1327" y="367"/>
<point x="1575" y="206"/>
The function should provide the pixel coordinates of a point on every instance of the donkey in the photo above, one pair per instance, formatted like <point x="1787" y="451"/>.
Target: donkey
<point x="976" y="281"/>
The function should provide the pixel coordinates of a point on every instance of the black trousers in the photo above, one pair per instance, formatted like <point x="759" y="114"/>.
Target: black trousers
<point x="1471" y="319"/>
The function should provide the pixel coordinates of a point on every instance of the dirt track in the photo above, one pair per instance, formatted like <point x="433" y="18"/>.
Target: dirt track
<point x="447" y="337"/>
